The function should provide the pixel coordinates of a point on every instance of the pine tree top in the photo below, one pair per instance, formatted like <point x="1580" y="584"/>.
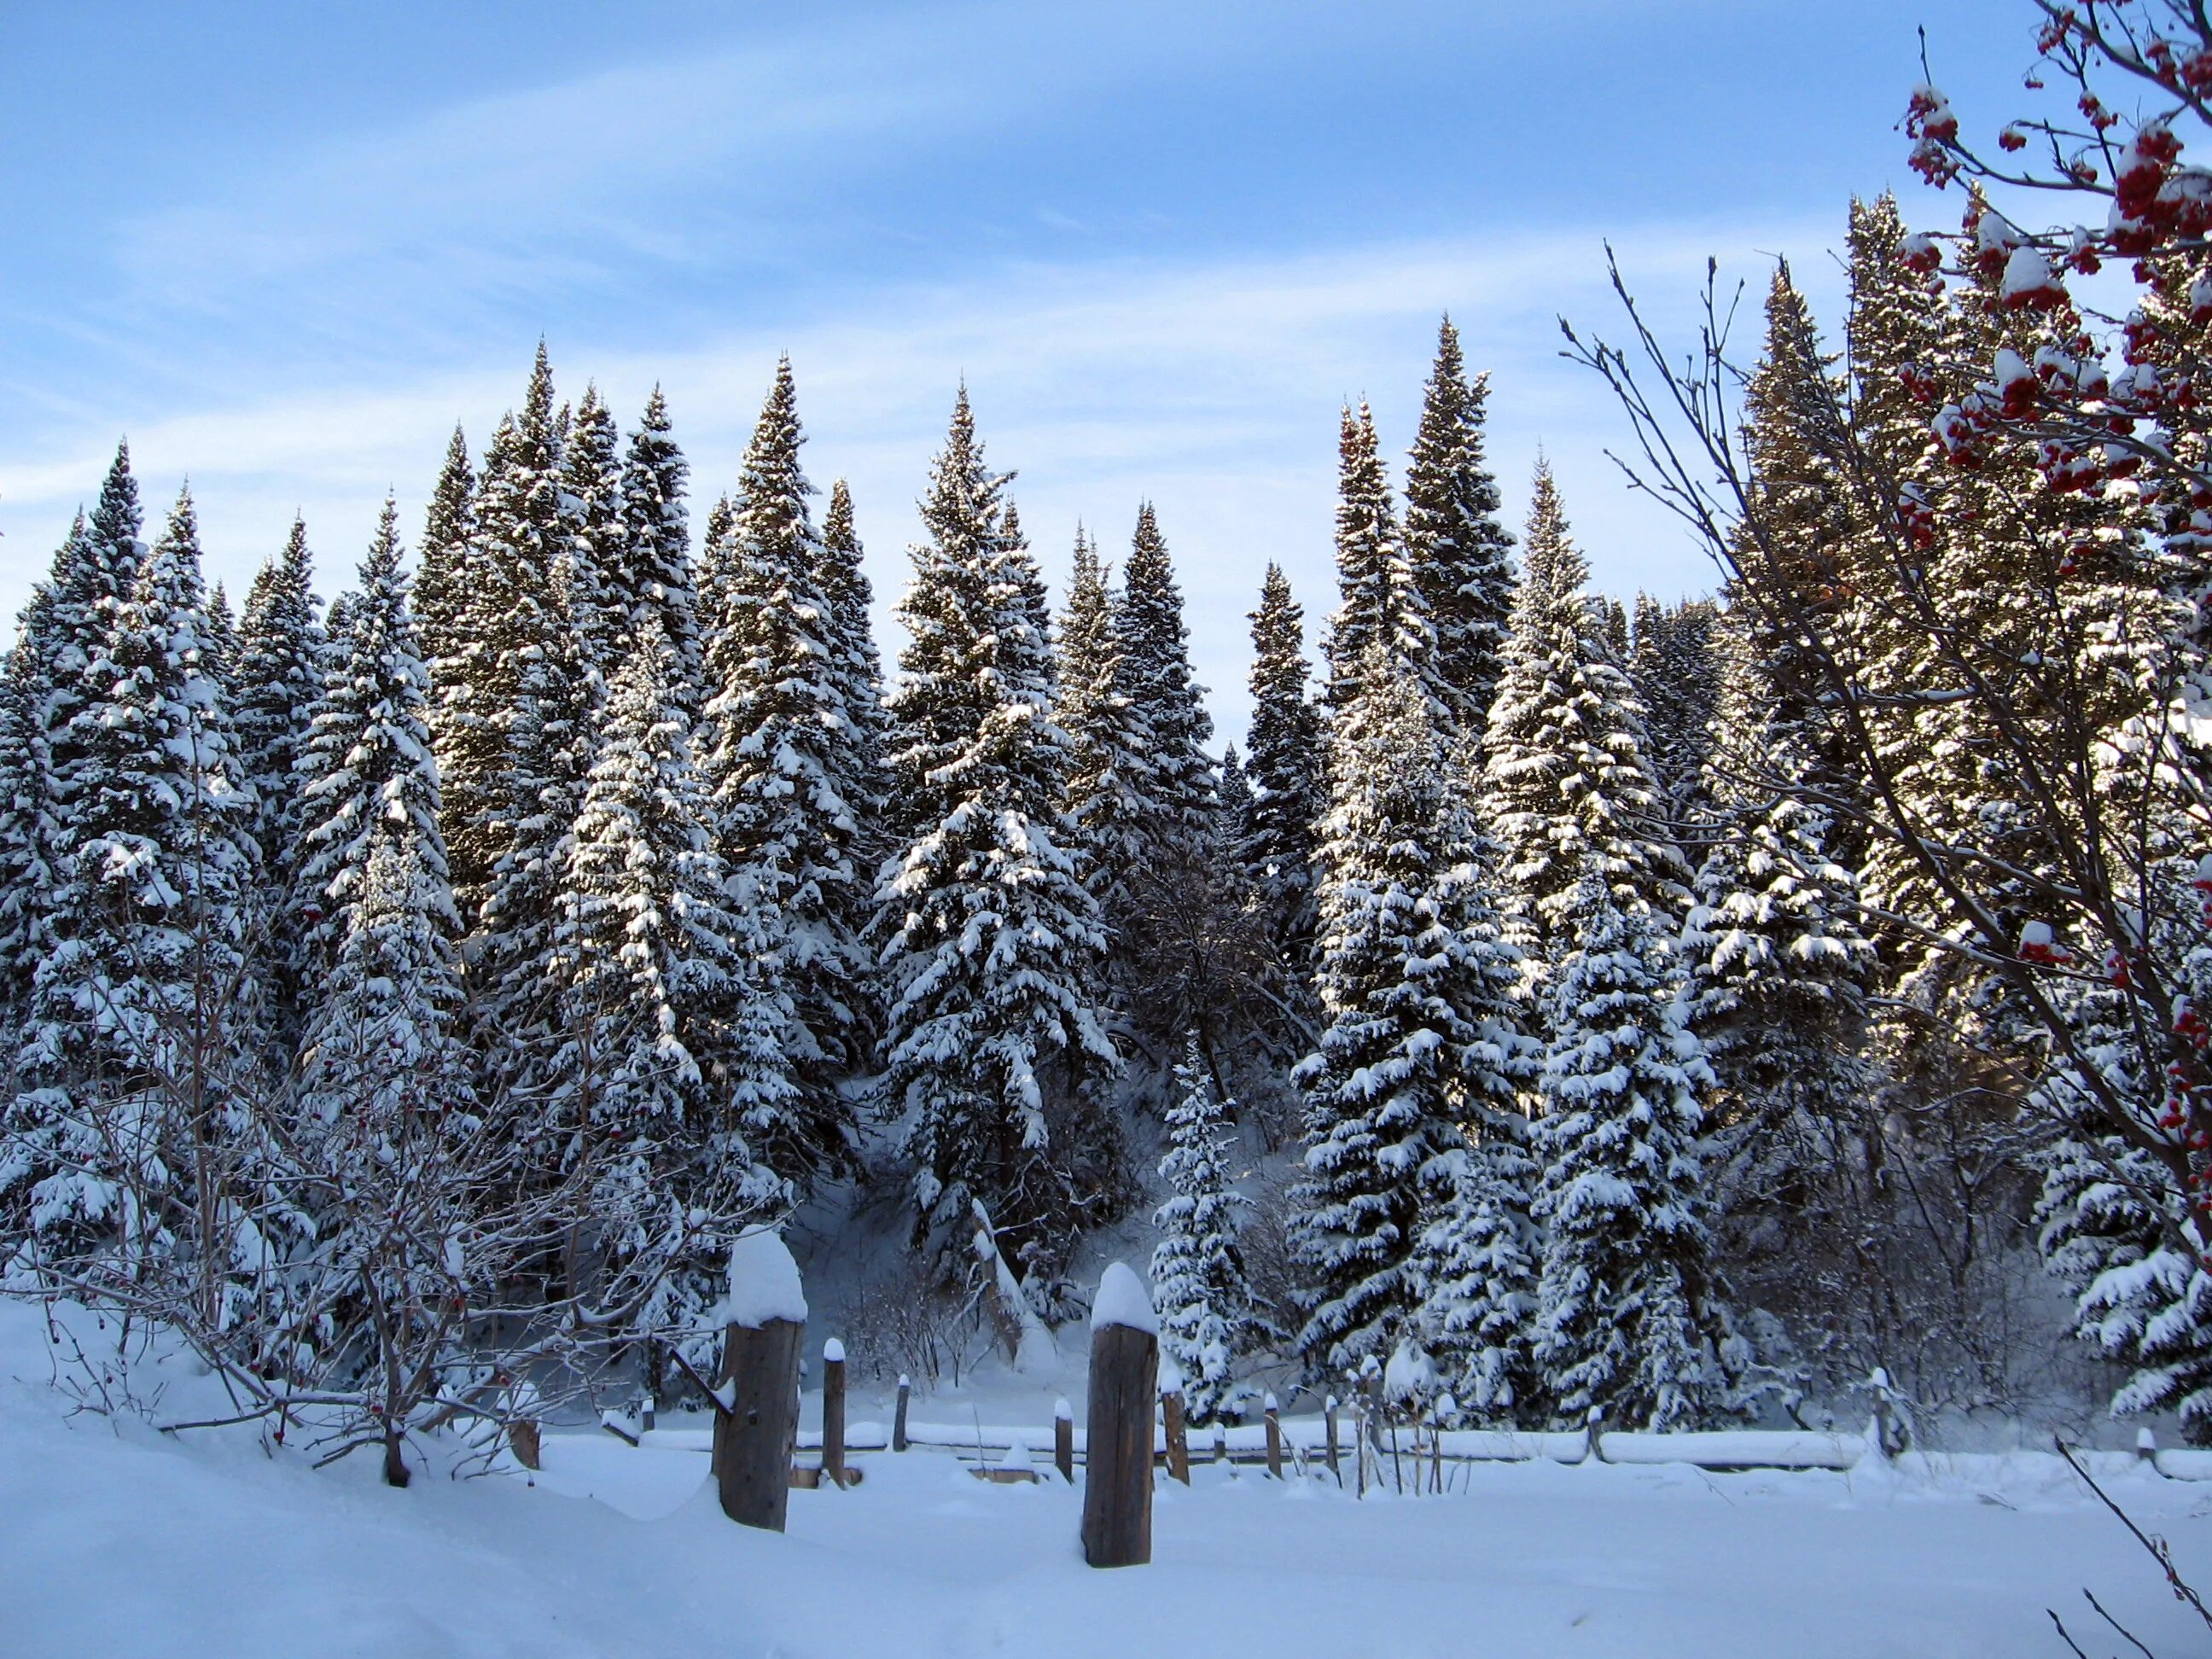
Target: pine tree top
<point x="1458" y="551"/>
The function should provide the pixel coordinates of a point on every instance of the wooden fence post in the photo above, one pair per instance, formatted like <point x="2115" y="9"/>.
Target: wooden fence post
<point x="1594" y="1429"/>
<point x="1274" y="1438"/>
<point x="1063" y="1440"/>
<point x="753" y="1444"/>
<point x="757" y="1422"/>
<point x="833" y="1412"/>
<point x="1178" y="1435"/>
<point x="1117" y="1453"/>
<point x="1328" y="1423"/>
<point x="645" y="1415"/>
<point x="898" y="1416"/>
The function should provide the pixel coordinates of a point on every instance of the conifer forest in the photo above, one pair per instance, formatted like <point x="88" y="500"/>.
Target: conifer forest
<point x="1785" y="1008"/>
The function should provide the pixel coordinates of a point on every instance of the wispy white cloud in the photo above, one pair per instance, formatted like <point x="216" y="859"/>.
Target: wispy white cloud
<point x="1210" y="388"/>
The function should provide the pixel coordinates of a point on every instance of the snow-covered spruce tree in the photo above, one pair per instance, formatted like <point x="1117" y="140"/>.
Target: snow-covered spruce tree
<point x="365" y="773"/>
<point x="1412" y="988"/>
<point x="516" y="718"/>
<point x="282" y="656"/>
<point x="856" y="680"/>
<point x="597" y="551"/>
<point x="1284" y="765"/>
<point x="1565" y="777"/>
<point x="994" y="1053"/>
<point x="139" y="1020"/>
<point x="781" y="743"/>
<point x="1378" y="600"/>
<point x="1460" y="553"/>
<point x="1626" y="1320"/>
<point x="1182" y="948"/>
<point x="506" y="611"/>
<point x="678" y="1036"/>
<point x="1677" y="680"/>
<point x="856" y="667"/>
<point x="30" y="818"/>
<point x="716" y="549"/>
<point x="91" y="580"/>
<point x="441" y="577"/>
<point x="652" y="578"/>
<point x="1207" y="1322"/>
<point x="1796" y="440"/>
<point x="1779" y="972"/>
<point x="1110" y="749"/>
<point x="222" y="641"/>
<point x="1179" y="801"/>
<point x="380" y="1141"/>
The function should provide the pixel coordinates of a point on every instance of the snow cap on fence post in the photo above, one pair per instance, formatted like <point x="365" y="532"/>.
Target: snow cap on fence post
<point x="764" y="1283"/>
<point x="1123" y="1300"/>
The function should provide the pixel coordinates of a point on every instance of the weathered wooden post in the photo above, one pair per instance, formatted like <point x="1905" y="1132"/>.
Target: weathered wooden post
<point x="755" y="1433"/>
<point x="1594" y="1428"/>
<point x="1178" y="1435"/>
<point x="1063" y="1440"/>
<point x="833" y="1412"/>
<point x="1274" y="1413"/>
<point x="1328" y="1429"/>
<point x="1117" y="1446"/>
<point x="898" y="1416"/>
<point x="645" y="1415"/>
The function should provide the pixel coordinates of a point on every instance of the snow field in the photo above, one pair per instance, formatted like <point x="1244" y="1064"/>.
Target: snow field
<point x="205" y="1545"/>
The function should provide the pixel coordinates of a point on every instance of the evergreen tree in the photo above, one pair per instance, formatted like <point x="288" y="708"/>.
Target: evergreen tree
<point x="1207" y="1322"/>
<point x="1460" y="553"/>
<point x="1178" y="798"/>
<point x="1625" y="1322"/>
<point x="379" y="1052"/>
<point x="652" y="580"/>
<point x="30" y="818"/>
<point x="1109" y="749"/>
<point x="1566" y="778"/>
<point x="366" y="776"/>
<point x="223" y="640"/>
<point x="1379" y="600"/>
<point x="1276" y="843"/>
<point x="520" y="710"/>
<point x="1413" y="984"/>
<point x="596" y="554"/>
<point x="507" y="623"/>
<point x="1778" y="970"/>
<point x="91" y="580"/>
<point x="282" y="656"/>
<point x="676" y="1034"/>
<point x="781" y="742"/>
<point x="441" y="580"/>
<point x="993" y="1051"/>
<point x="140" y="1005"/>
<point x="1673" y="668"/>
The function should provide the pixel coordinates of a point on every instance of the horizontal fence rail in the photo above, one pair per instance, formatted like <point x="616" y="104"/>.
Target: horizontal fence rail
<point x="1718" y="1451"/>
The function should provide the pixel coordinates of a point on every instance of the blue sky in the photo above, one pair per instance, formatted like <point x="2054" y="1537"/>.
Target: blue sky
<point x="285" y="247"/>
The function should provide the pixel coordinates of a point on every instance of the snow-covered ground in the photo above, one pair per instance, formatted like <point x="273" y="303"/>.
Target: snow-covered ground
<point x="117" y="1539"/>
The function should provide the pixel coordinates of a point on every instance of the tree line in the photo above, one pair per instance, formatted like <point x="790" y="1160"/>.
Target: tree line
<point x="1681" y="1011"/>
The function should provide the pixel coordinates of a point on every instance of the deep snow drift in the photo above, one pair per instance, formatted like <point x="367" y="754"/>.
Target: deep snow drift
<point x="120" y="1539"/>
